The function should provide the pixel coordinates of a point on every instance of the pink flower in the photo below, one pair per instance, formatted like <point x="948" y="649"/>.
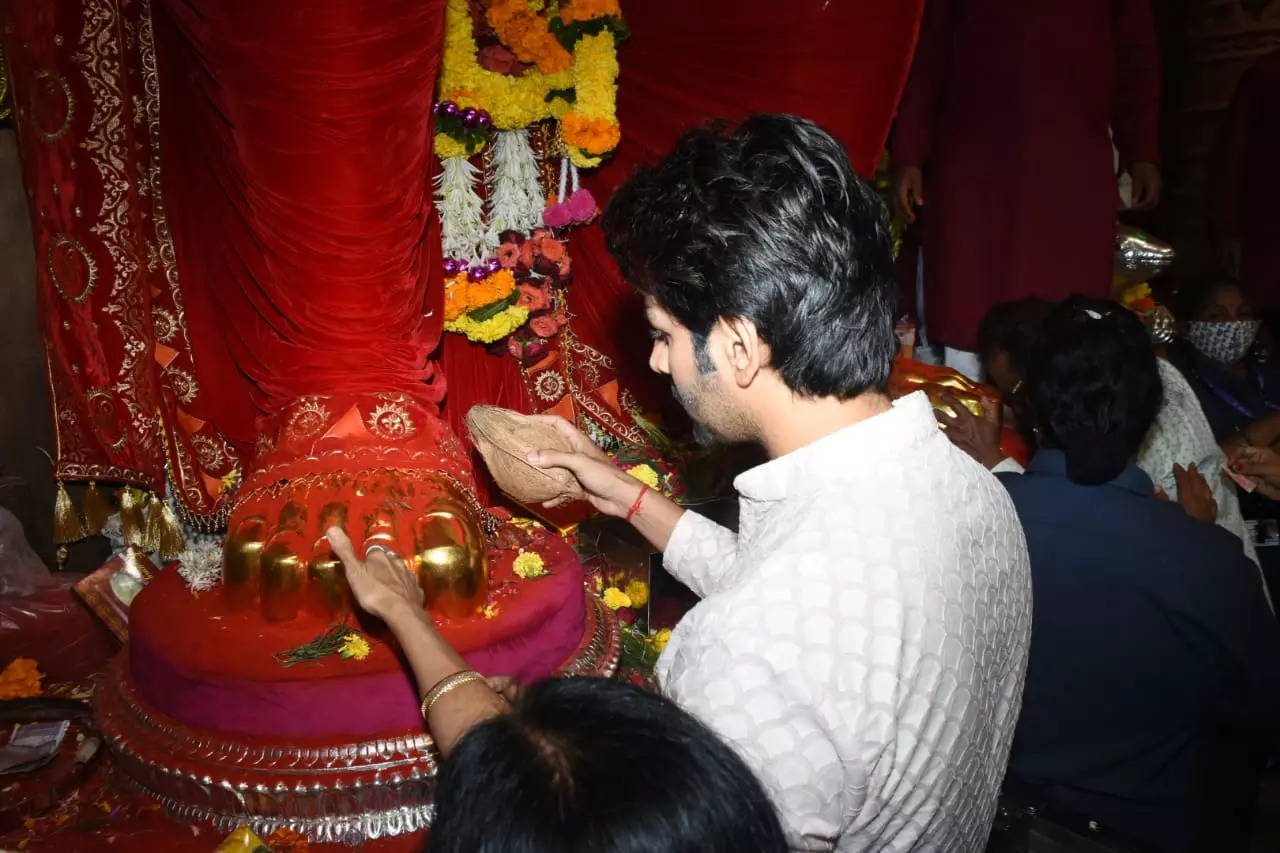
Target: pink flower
<point x="557" y="215"/>
<point x="566" y="266"/>
<point x="508" y="255"/>
<point x="514" y="347"/>
<point x="545" y="326"/>
<point x="534" y="297"/>
<point x="534" y="352"/>
<point x="582" y="205"/>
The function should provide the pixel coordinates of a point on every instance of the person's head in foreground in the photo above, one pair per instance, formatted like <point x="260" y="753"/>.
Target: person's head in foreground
<point x="767" y="270"/>
<point x="588" y="764"/>
<point x="1094" y="387"/>
<point x="1218" y="320"/>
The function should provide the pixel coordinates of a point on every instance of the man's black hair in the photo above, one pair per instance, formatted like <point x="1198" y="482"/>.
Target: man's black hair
<point x="767" y="222"/>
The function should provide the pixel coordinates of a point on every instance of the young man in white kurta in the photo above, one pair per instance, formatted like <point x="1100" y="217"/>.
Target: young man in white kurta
<point x="862" y="640"/>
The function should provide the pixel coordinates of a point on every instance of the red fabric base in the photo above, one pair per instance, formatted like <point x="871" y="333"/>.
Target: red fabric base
<point x="213" y="669"/>
<point x="56" y="630"/>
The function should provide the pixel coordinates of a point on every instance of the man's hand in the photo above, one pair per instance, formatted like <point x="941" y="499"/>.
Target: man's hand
<point x="1195" y="495"/>
<point x="1145" y="193"/>
<point x="977" y="436"/>
<point x="380" y="582"/>
<point x="599" y="481"/>
<point x="908" y="192"/>
<point x="1261" y="465"/>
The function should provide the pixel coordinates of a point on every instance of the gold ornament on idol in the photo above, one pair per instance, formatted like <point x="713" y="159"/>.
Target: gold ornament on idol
<point x="241" y="562"/>
<point x="449" y="555"/>
<point x="327" y="591"/>
<point x="283" y="572"/>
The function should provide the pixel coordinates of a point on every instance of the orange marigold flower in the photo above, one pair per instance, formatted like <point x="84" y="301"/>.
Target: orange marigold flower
<point x="586" y="10"/>
<point x="20" y="679"/>
<point x="455" y="297"/>
<point x="525" y="33"/>
<point x="490" y="290"/>
<point x="595" y="136"/>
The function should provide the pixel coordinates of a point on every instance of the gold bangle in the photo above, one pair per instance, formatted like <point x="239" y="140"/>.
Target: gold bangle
<point x="444" y="685"/>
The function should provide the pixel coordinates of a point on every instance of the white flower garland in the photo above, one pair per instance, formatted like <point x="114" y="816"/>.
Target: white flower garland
<point x="515" y="196"/>
<point x="462" y="231"/>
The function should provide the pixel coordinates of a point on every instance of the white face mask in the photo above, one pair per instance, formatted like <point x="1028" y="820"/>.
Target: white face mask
<point x="1224" y="342"/>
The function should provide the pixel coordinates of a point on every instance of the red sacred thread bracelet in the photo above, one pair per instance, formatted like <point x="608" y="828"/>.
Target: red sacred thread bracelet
<point x="635" y="507"/>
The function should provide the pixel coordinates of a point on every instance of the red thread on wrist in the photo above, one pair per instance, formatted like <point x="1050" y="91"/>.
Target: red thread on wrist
<point x="635" y="507"/>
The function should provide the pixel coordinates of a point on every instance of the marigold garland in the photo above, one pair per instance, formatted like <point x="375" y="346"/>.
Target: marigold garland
<point x="572" y="45"/>
<point x="592" y="126"/>
<point x="525" y="32"/>
<point x="512" y="102"/>
<point x="493" y="329"/>
<point x="515" y="102"/>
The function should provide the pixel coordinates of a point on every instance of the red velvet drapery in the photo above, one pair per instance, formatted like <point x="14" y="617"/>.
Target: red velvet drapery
<point x="296" y="154"/>
<point x="842" y="64"/>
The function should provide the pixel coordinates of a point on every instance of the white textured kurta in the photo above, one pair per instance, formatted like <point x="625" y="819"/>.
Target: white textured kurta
<point x="862" y="640"/>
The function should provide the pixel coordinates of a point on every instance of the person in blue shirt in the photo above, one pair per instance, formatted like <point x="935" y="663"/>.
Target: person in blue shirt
<point x="1153" y="685"/>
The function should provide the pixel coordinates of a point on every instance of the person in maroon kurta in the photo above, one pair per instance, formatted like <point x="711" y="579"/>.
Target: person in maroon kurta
<point x="1002" y="137"/>
<point x="1246" y="169"/>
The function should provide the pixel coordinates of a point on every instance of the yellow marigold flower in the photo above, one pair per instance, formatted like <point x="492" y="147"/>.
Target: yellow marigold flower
<point x="491" y="610"/>
<point x="615" y="598"/>
<point x="493" y="329"/>
<point x="638" y="592"/>
<point x="658" y="641"/>
<point x="529" y="565"/>
<point x="645" y="474"/>
<point x="1135" y="292"/>
<point x="354" y="646"/>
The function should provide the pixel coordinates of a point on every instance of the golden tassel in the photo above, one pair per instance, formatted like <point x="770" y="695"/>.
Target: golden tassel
<point x="66" y="522"/>
<point x="151" y="537"/>
<point x="171" y="540"/>
<point x="97" y="508"/>
<point x="133" y="526"/>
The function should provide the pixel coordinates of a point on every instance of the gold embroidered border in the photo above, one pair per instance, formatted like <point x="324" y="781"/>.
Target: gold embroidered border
<point x="107" y="144"/>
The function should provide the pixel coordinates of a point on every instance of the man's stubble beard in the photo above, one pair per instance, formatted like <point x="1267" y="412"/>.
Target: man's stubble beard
<point x="704" y="435"/>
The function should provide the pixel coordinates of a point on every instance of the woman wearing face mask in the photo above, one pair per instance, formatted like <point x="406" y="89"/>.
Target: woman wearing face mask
<point x="1240" y="395"/>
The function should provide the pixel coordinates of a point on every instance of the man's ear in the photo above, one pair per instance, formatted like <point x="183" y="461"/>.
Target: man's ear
<point x="745" y="352"/>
